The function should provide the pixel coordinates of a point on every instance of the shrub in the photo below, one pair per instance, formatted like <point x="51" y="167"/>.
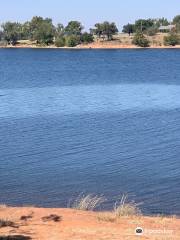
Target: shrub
<point x="87" y="38"/>
<point x="171" y="40"/>
<point x="60" y="42"/>
<point x="88" y="203"/>
<point x="140" y="40"/>
<point x="72" y="40"/>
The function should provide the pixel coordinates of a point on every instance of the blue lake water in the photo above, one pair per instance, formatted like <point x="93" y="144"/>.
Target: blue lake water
<point x="91" y="121"/>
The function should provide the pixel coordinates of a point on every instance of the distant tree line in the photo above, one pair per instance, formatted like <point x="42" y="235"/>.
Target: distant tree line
<point x="147" y="26"/>
<point x="150" y="27"/>
<point x="42" y="31"/>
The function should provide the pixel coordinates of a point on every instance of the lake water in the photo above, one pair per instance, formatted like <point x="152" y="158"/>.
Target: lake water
<point x="90" y="121"/>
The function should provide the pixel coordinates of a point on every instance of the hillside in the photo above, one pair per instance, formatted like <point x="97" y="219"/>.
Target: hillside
<point x="66" y="224"/>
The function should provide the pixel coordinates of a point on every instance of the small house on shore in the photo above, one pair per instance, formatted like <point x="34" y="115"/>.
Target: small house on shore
<point x="167" y="28"/>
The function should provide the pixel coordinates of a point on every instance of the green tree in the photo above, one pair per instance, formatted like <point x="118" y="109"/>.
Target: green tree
<point x="109" y="29"/>
<point x="12" y="32"/>
<point x="34" y="26"/>
<point x="161" y="22"/>
<point x="26" y="32"/>
<point x="149" y="26"/>
<point x="1" y="35"/>
<point x="59" y="30"/>
<point x="98" y="30"/>
<point x="105" y="30"/>
<point x="129" y="28"/>
<point x="142" y="25"/>
<point x="140" y="40"/>
<point x="172" y="39"/>
<point x="59" y="36"/>
<point x="87" y="38"/>
<point x="176" y="19"/>
<point x="73" y="28"/>
<point x="42" y="30"/>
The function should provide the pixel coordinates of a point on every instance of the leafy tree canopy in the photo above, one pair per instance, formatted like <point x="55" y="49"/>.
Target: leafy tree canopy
<point x="42" y="30"/>
<point x="12" y="32"/>
<point x="148" y="26"/>
<point x="176" y="19"/>
<point x="161" y="22"/>
<point x="143" y="24"/>
<point x="73" y="28"/>
<point x="59" y="30"/>
<point x="1" y="35"/>
<point x="105" y="30"/>
<point x="129" y="28"/>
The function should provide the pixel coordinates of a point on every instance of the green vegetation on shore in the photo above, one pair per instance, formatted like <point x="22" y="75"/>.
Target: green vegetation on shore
<point x="43" y="32"/>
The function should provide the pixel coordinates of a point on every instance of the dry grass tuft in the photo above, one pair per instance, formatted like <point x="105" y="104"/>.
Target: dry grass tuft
<point x="121" y="209"/>
<point x="88" y="203"/>
<point x="2" y="206"/>
<point x="106" y="217"/>
<point x="126" y="209"/>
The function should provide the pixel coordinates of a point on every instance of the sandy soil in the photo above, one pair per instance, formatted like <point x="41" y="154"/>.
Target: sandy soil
<point x="95" y="45"/>
<point x="116" y="45"/>
<point x="79" y="225"/>
<point x="121" y="41"/>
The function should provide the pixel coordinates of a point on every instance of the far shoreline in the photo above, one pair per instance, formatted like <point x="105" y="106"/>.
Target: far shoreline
<point x="90" y="47"/>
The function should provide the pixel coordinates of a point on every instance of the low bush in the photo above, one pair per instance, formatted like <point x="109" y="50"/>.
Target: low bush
<point x="60" y="42"/>
<point x="172" y="39"/>
<point x="72" y="40"/>
<point x="87" y="38"/>
<point x="140" y="40"/>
